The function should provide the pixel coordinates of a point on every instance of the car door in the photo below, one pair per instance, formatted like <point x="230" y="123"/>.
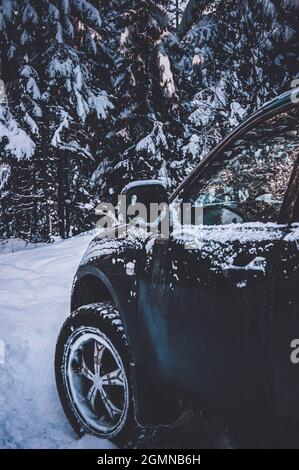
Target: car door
<point x="284" y="326"/>
<point x="203" y="294"/>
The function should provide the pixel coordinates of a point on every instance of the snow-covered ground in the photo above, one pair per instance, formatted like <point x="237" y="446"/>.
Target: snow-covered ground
<point x="35" y="289"/>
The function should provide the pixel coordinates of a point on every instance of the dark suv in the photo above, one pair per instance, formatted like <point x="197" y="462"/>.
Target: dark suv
<point x="207" y="316"/>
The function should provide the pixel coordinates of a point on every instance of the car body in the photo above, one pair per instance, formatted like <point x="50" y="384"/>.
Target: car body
<point x="214" y="323"/>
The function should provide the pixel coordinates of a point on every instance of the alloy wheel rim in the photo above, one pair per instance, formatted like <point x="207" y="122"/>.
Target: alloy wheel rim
<point x="96" y="381"/>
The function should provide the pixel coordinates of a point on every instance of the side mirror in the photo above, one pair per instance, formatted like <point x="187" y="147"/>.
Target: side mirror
<point x="145" y="192"/>
<point x="147" y="196"/>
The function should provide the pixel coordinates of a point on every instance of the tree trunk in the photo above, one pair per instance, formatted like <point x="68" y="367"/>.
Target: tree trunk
<point x="60" y="194"/>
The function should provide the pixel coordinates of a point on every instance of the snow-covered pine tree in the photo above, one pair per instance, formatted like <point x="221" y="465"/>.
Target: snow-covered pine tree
<point x="238" y="55"/>
<point x="77" y="78"/>
<point x="20" y="208"/>
<point x="144" y="139"/>
<point x="56" y="67"/>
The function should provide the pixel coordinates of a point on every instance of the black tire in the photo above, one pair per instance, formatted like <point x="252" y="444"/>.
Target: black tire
<point x="101" y="320"/>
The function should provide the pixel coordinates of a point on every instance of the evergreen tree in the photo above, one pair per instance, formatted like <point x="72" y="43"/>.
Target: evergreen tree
<point x="56" y="68"/>
<point x="144" y="140"/>
<point x="238" y="55"/>
<point x="18" y="112"/>
<point x="76" y="71"/>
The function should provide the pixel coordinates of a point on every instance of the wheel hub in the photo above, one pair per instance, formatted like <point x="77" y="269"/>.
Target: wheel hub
<point x="97" y="381"/>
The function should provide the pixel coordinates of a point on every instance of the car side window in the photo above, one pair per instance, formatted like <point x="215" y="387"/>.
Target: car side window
<point x="249" y="179"/>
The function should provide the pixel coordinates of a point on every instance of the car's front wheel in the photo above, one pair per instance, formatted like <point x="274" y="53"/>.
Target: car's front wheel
<point x="92" y="367"/>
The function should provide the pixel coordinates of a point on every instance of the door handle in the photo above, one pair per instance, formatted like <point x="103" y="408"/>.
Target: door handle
<point x="255" y="270"/>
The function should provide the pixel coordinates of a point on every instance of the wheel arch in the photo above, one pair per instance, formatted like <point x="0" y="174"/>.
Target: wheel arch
<point x="91" y="285"/>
